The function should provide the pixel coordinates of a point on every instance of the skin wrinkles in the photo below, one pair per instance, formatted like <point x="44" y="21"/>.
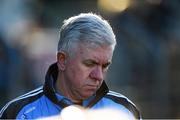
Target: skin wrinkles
<point x="84" y="72"/>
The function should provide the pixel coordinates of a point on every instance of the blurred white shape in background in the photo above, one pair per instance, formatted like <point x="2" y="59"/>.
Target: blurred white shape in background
<point x="113" y="6"/>
<point x="79" y="113"/>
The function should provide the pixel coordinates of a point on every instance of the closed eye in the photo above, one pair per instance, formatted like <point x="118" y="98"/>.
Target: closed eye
<point x="106" y="66"/>
<point x="90" y="63"/>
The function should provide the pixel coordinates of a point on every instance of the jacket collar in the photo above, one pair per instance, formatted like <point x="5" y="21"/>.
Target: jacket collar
<point x="50" y="92"/>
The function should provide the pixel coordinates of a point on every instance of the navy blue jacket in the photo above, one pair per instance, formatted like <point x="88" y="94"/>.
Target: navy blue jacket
<point x="45" y="101"/>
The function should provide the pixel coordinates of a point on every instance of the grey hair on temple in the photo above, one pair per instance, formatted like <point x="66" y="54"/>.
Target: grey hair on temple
<point x="86" y="28"/>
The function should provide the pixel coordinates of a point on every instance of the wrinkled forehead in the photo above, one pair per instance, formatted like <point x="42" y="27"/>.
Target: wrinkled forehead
<point x="97" y="52"/>
<point x="93" y="46"/>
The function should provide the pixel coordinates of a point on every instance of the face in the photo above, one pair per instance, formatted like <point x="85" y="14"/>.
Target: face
<point x="85" y="72"/>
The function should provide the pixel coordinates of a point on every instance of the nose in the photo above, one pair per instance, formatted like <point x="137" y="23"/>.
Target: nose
<point x="97" y="73"/>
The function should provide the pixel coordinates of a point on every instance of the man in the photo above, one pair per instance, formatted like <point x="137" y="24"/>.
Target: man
<point x="85" y="51"/>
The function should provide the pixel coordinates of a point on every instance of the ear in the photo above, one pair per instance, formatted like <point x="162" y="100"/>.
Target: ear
<point x="61" y="60"/>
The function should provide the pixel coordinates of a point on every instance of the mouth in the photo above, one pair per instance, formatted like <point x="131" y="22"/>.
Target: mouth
<point x="92" y="87"/>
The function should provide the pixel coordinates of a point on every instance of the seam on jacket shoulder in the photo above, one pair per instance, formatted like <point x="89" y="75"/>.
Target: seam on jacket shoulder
<point x="121" y="99"/>
<point x="12" y="108"/>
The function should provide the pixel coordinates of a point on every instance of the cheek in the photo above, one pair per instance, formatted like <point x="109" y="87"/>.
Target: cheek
<point x="81" y="73"/>
<point x="78" y="74"/>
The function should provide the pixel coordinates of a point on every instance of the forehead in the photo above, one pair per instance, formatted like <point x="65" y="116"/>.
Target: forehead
<point x="97" y="53"/>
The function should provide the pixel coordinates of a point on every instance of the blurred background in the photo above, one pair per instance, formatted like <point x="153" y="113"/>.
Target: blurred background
<point x="145" y="67"/>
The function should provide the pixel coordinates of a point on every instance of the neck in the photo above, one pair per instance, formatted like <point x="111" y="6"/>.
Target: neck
<point x="62" y="88"/>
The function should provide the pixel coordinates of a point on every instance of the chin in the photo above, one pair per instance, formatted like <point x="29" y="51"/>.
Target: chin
<point x="86" y="96"/>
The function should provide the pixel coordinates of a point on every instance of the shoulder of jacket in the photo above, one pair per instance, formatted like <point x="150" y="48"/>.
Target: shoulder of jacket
<point x="12" y="108"/>
<point x="117" y="97"/>
<point x="123" y="100"/>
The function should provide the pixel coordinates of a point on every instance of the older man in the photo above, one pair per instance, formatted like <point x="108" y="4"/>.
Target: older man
<point x="84" y="55"/>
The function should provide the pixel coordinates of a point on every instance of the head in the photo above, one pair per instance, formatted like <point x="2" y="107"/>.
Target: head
<point x="85" y="52"/>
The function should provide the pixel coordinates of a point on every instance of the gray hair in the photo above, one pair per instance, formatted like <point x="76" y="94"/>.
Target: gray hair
<point x="85" y="28"/>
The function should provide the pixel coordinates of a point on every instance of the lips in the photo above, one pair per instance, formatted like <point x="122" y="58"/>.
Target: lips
<point x="92" y="87"/>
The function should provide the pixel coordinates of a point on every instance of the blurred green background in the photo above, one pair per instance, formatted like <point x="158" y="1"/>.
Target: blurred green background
<point x="145" y="67"/>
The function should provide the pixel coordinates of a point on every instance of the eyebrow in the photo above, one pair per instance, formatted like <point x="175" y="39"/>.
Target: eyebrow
<point x="94" y="62"/>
